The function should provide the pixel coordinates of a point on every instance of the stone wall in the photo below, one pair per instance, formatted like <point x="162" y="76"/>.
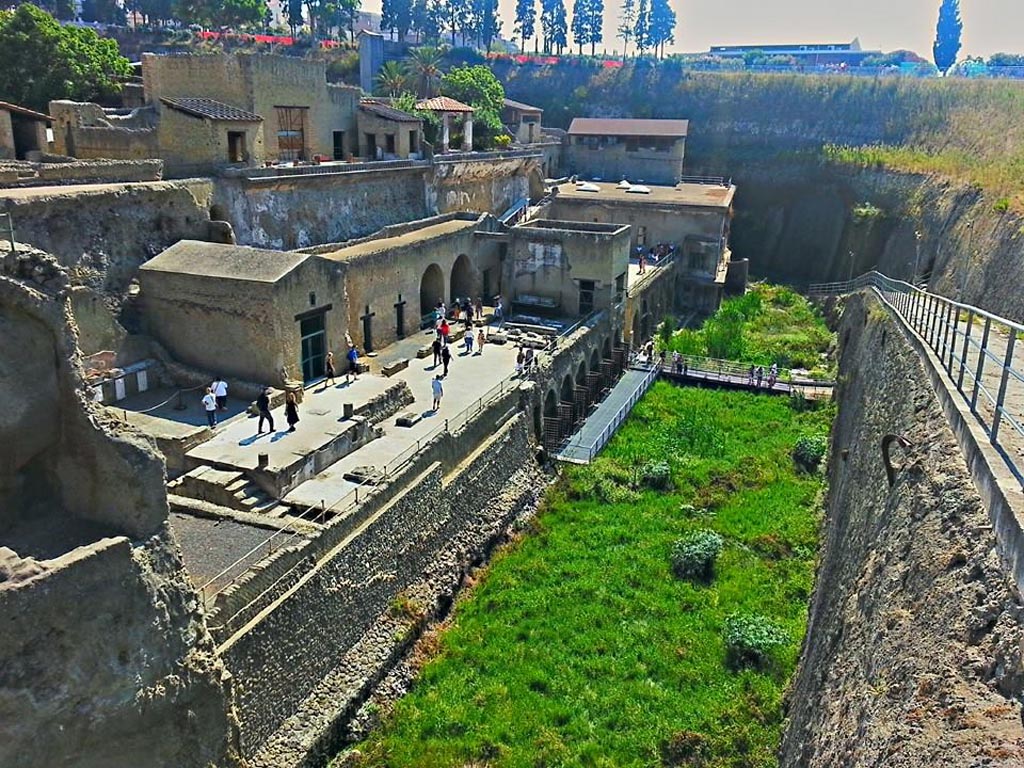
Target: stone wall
<point x="485" y="185"/>
<point x="333" y="606"/>
<point x="912" y="655"/>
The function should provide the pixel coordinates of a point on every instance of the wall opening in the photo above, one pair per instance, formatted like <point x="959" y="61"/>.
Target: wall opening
<point x="431" y="289"/>
<point x="462" y="278"/>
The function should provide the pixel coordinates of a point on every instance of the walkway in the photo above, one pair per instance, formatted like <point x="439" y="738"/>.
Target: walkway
<point x="599" y="426"/>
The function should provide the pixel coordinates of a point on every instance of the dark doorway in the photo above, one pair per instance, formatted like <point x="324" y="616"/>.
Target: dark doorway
<point x="586" y="297"/>
<point x="389" y="143"/>
<point x="367" y="319"/>
<point x="487" y="285"/>
<point x="291" y="133"/>
<point x="314" y="345"/>
<point x="431" y="289"/>
<point x="236" y="146"/>
<point x="400" y="317"/>
<point x="339" y="145"/>
<point x="371" y="146"/>
<point x="462" y="278"/>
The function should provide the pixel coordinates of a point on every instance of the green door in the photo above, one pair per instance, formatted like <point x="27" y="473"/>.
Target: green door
<point x="314" y="346"/>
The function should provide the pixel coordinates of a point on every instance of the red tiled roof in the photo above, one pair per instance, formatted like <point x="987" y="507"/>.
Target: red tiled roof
<point x="603" y="126"/>
<point x="444" y="104"/>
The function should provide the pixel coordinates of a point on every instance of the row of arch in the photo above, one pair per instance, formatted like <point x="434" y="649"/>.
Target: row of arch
<point x="432" y="284"/>
<point x="564" y="391"/>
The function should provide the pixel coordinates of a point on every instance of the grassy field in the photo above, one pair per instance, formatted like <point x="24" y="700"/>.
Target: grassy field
<point x="770" y="324"/>
<point x="579" y="647"/>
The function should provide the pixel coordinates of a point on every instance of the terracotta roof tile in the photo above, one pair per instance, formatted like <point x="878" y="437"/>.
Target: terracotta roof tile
<point x="443" y="104"/>
<point x="212" y="110"/>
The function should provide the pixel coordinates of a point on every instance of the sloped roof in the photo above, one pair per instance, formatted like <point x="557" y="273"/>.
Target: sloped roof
<point x="388" y="112"/>
<point x="6" y="106"/>
<point x="212" y="110"/>
<point x="520" y="106"/>
<point x="606" y="126"/>
<point x="224" y="262"/>
<point x="443" y="104"/>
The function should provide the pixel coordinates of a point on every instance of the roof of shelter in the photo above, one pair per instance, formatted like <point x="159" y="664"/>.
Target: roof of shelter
<point x="444" y="104"/>
<point x="521" y="107"/>
<point x="607" y="126"/>
<point x="211" y="110"/>
<point x="388" y="112"/>
<point x="6" y="106"/>
<point x="228" y="262"/>
<point x="409" y="238"/>
<point x="699" y="195"/>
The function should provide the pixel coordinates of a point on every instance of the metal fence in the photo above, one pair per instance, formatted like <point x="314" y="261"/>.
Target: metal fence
<point x="975" y="348"/>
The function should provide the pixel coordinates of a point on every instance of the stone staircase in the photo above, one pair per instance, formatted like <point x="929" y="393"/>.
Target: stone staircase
<point x="226" y="488"/>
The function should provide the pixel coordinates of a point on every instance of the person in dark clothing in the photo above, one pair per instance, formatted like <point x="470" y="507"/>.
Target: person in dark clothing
<point x="263" y="406"/>
<point x="291" y="411"/>
<point x="446" y="358"/>
<point x="329" y="369"/>
<point x="436" y="348"/>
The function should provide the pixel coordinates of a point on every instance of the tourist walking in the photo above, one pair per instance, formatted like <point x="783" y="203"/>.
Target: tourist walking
<point x="480" y="339"/>
<point x="468" y="341"/>
<point x="750" y="377"/>
<point x="210" y="405"/>
<point x="528" y="362"/>
<point x="435" y="347"/>
<point x="263" y="406"/>
<point x="291" y="411"/>
<point x="438" y="391"/>
<point x="520" y="359"/>
<point x="499" y="312"/>
<point x="220" y="391"/>
<point x="329" y="369"/>
<point x="479" y="308"/>
<point x="677" y="365"/>
<point x="446" y="358"/>
<point x="773" y="375"/>
<point x="759" y="374"/>
<point x="661" y="360"/>
<point x="643" y="263"/>
<point x="353" y="364"/>
<point x="444" y="330"/>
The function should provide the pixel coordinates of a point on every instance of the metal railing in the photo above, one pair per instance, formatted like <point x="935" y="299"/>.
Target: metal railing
<point x="974" y="348"/>
<point x="574" y="450"/>
<point x="348" y="501"/>
<point x="651" y="271"/>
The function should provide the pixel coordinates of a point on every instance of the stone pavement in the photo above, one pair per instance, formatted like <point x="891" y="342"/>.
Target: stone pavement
<point x="469" y="378"/>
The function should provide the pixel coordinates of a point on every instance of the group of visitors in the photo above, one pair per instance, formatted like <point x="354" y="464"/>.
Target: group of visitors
<point x="653" y="255"/>
<point x="291" y="411"/>
<point x="215" y="399"/>
<point x="755" y="376"/>
<point x="526" y="361"/>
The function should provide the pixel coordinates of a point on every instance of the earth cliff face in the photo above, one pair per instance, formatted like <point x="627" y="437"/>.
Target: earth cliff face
<point x="105" y="658"/>
<point x="913" y="650"/>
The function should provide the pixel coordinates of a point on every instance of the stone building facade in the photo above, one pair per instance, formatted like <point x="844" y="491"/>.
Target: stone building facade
<point x="387" y="133"/>
<point x="21" y="131"/>
<point x="648" y="151"/>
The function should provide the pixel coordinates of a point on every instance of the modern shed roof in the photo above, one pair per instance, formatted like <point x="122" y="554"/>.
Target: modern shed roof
<point x="521" y="106"/>
<point x="225" y="262"/>
<point x="606" y="126"/>
<point x="388" y="112"/>
<point x="212" y="110"/>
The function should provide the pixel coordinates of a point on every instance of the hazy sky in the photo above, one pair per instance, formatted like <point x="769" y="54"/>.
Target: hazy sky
<point x="989" y="25"/>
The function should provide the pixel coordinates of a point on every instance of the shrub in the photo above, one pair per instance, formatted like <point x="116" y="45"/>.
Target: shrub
<point x="1002" y="205"/>
<point x="503" y="141"/>
<point x="693" y="556"/>
<point x="657" y="475"/>
<point x="668" y="327"/>
<point x="809" y="451"/>
<point x="684" y="748"/>
<point x="750" y="639"/>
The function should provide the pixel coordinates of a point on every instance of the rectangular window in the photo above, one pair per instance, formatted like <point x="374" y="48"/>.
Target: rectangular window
<point x="586" y="297"/>
<point x="291" y="133"/>
<point x="339" y="145"/>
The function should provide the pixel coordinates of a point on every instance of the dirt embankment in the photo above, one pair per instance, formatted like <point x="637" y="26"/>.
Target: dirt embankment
<point x="913" y="650"/>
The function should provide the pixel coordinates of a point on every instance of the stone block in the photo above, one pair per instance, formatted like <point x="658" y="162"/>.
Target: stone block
<point x="497" y="337"/>
<point x="367" y="475"/>
<point x="395" y="367"/>
<point x="422" y="352"/>
<point x="408" y="419"/>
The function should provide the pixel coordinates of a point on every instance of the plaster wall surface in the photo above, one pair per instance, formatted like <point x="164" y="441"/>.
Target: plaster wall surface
<point x="612" y="162"/>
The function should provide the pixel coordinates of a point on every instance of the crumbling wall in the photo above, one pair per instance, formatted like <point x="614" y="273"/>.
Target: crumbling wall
<point x="104" y="654"/>
<point x="491" y="186"/>
<point x="913" y="649"/>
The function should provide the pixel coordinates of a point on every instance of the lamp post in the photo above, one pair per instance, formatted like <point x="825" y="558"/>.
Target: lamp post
<point x="917" y="255"/>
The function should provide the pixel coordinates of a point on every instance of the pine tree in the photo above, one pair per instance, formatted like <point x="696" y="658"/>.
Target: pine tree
<point x="642" y="30"/>
<point x="553" y="22"/>
<point x="662" y="25"/>
<point x="490" y="24"/>
<point x="387" y="16"/>
<point x="627" y="25"/>
<point x="596" y="24"/>
<point x="947" y="35"/>
<point x="580" y="23"/>
<point x="294" y="15"/>
<point x="526" y="19"/>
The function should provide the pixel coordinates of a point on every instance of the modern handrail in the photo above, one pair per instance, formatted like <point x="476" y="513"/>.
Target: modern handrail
<point x="964" y="338"/>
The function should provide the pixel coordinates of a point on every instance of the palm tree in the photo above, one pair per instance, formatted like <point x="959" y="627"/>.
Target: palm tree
<point x="391" y="80"/>
<point x="424" y="70"/>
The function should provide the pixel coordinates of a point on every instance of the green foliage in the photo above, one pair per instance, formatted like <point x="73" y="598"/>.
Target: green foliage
<point x="219" y="13"/>
<point x="751" y="638"/>
<point x="1002" y="205"/>
<point x="526" y="20"/>
<point x="668" y="327"/>
<point x="392" y="79"/>
<point x="424" y="65"/>
<point x="810" y="450"/>
<point x="947" y="35"/>
<point x="866" y="212"/>
<point x="502" y="141"/>
<point x="577" y="648"/>
<point x="657" y="475"/>
<point x="723" y="333"/>
<point x="1006" y="60"/>
<point x="477" y="86"/>
<point x="694" y="556"/>
<point x="43" y="60"/>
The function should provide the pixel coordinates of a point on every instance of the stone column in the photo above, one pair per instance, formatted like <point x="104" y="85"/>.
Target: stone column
<point x="467" y="133"/>
<point x="444" y="132"/>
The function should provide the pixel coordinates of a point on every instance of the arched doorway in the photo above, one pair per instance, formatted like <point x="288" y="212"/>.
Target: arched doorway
<point x="431" y="289"/>
<point x="581" y="374"/>
<point x="551" y="404"/>
<point x="635" y="339"/>
<point x="462" y="278"/>
<point x="566" y="393"/>
<point x="606" y="351"/>
<point x="595" y="360"/>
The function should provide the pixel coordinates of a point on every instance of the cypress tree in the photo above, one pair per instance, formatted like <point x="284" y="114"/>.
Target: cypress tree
<point x="526" y="18"/>
<point x="947" y="35"/>
<point x="662" y="25"/>
<point x="627" y="25"/>
<point x="642" y="30"/>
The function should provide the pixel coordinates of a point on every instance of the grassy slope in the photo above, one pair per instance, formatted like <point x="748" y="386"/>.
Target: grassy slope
<point x="580" y="648"/>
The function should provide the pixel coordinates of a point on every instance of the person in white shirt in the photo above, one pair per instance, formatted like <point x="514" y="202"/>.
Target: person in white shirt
<point x="210" y="404"/>
<point x="220" y="391"/>
<point x="435" y="385"/>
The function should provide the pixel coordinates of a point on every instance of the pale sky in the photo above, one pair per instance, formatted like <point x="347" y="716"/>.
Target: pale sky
<point x="989" y="25"/>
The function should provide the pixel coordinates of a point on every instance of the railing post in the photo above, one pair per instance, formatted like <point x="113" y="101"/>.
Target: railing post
<point x="933" y="333"/>
<point x="963" y="352"/>
<point x="1001" y="397"/>
<point x="981" y="364"/>
<point x="948" y="338"/>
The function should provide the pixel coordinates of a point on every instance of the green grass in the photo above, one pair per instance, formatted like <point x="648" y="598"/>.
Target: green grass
<point x="580" y="648"/>
<point x="771" y="323"/>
